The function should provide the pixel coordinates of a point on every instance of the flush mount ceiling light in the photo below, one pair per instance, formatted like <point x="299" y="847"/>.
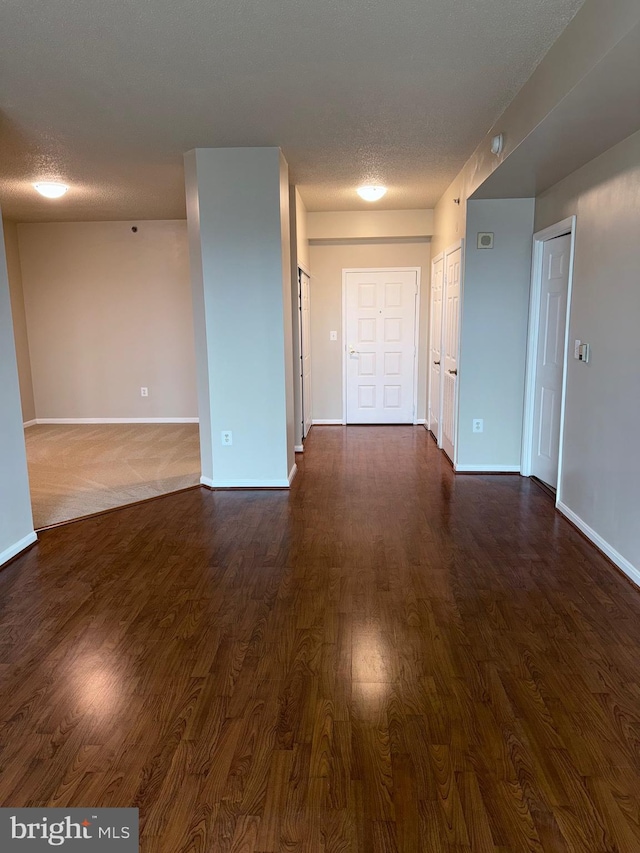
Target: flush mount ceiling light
<point x="51" y="189"/>
<point x="371" y="193"/>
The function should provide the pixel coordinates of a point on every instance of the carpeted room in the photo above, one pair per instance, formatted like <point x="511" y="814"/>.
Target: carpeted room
<point x="102" y="310"/>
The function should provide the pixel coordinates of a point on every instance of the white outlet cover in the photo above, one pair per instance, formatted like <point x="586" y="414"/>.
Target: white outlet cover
<point x="226" y="437"/>
<point x="333" y="336"/>
<point x="144" y="392"/>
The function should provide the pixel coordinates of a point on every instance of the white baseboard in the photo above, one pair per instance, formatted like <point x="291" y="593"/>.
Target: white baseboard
<point x="601" y="544"/>
<point x="327" y="422"/>
<point x="13" y="550"/>
<point x="248" y="484"/>
<point x="299" y="448"/>
<point x="29" y="423"/>
<point x="113" y="421"/>
<point x="292" y="473"/>
<point x="487" y="469"/>
<point x="420" y="422"/>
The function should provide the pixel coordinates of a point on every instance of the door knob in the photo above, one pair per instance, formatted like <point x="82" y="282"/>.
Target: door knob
<point x="453" y="372"/>
<point x="436" y="362"/>
<point x="352" y="350"/>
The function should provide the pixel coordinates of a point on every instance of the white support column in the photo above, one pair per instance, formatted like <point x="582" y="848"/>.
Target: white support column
<point x="238" y="219"/>
<point x="16" y="522"/>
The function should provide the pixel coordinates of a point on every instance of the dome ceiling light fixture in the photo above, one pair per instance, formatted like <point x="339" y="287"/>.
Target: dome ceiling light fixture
<point x="51" y="189"/>
<point x="371" y="193"/>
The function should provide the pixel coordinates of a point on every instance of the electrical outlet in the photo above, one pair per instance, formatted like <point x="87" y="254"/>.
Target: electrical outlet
<point x="144" y="392"/>
<point x="227" y="437"/>
<point x="478" y="425"/>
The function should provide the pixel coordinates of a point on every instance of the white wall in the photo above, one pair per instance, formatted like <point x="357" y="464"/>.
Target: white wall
<point x="19" y="320"/>
<point x="494" y="334"/>
<point x="238" y="215"/>
<point x="299" y="257"/>
<point x="600" y="481"/>
<point x="369" y="224"/>
<point x="302" y="235"/>
<point x="109" y="311"/>
<point x="16" y="522"/>
<point x="593" y="32"/>
<point x="327" y="263"/>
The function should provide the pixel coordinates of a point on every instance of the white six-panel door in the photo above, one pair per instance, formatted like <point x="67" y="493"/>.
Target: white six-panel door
<point x="450" y="344"/>
<point x="435" y="348"/>
<point x="550" y="359"/>
<point x="380" y="339"/>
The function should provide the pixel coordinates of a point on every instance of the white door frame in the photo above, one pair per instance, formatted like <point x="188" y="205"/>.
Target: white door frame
<point x="566" y="226"/>
<point x="459" y="244"/>
<point x="416" y="333"/>
<point x="434" y="261"/>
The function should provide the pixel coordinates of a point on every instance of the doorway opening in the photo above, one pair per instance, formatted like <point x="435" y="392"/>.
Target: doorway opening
<point x="547" y="353"/>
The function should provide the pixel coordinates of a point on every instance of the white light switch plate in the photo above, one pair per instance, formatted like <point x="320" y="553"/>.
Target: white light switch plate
<point x="333" y="336"/>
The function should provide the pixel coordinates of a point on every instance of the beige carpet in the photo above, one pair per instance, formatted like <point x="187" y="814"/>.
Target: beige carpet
<point x="77" y="470"/>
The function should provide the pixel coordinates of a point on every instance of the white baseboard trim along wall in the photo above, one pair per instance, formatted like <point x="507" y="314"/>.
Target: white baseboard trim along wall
<point x="299" y="448"/>
<point x="487" y="469"/>
<point x="17" y="547"/>
<point x="111" y="421"/>
<point x="250" y="484"/>
<point x="621" y="562"/>
<point x="327" y="422"/>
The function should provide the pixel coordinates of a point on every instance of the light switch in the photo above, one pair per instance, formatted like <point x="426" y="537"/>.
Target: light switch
<point x="333" y="336"/>
<point x="585" y="353"/>
<point x="576" y="349"/>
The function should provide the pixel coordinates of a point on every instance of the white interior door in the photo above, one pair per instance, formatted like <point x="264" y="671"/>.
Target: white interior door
<point x="550" y="359"/>
<point x="305" y="352"/>
<point x="435" y="349"/>
<point x="450" y="345"/>
<point x="380" y="338"/>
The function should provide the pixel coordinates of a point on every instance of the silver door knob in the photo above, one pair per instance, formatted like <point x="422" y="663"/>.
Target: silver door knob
<point x="352" y="350"/>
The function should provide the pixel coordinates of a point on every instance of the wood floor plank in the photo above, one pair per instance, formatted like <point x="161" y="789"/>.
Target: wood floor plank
<point x="385" y="658"/>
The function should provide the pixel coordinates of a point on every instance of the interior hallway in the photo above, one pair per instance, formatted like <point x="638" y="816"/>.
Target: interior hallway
<point x="385" y="658"/>
<point x="80" y="469"/>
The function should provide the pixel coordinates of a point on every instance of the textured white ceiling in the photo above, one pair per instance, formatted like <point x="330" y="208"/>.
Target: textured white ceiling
<point x="108" y="94"/>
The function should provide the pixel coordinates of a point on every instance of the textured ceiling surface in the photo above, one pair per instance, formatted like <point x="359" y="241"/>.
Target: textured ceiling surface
<point x="107" y="95"/>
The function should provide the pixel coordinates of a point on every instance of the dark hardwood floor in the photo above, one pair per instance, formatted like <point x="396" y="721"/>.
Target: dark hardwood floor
<point x="385" y="658"/>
